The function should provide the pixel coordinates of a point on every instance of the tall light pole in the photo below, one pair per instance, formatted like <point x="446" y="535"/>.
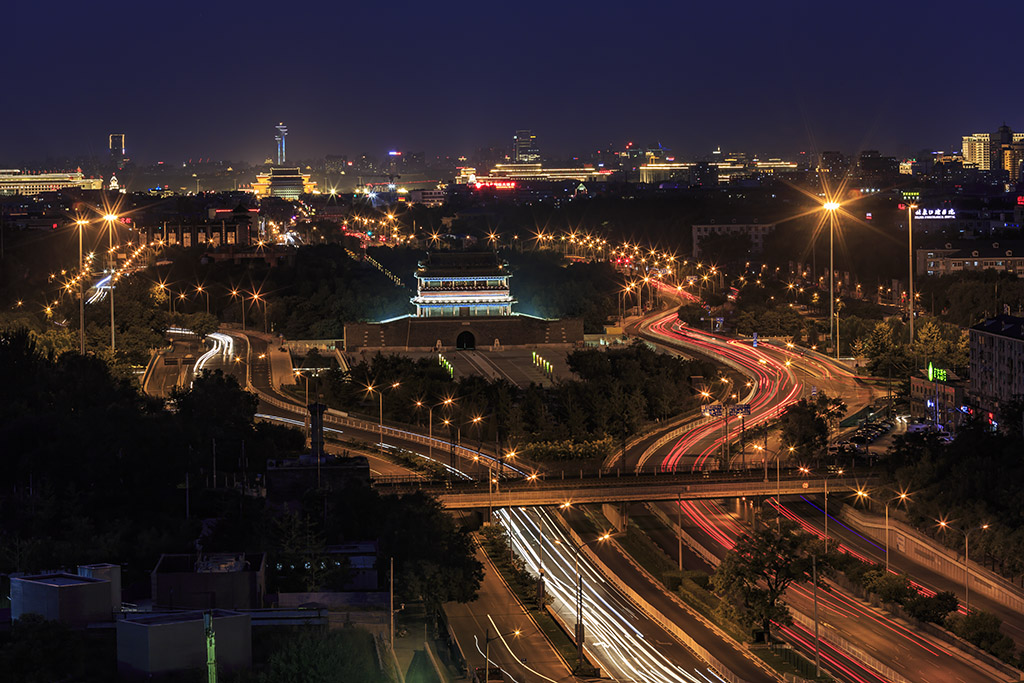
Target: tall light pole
<point x="81" y="288"/>
<point x="110" y="219"/>
<point x="374" y="390"/>
<point x="430" y="423"/>
<point x="967" y="557"/>
<point x="298" y="373"/>
<point x="487" y="648"/>
<point x="825" y="479"/>
<point x="831" y="207"/>
<point x="910" y="257"/>
<point x="241" y="301"/>
<point x="579" y="591"/>
<point x="200" y="290"/>
<point x="900" y="497"/>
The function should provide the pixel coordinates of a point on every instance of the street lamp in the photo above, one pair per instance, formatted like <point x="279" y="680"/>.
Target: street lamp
<point x="110" y="219"/>
<point x="201" y="290"/>
<point x="900" y="497"/>
<point x="447" y="402"/>
<point x="374" y="390"/>
<point x="825" y="479"/>
<point x="579" y="588"/>
<point x="81" y="288"/>
<point x="967" y="558"/>
<point x="241" y="301"/>
<point x="831" y="207"/>
<point x="298" y="373"/>
<point x="258" y="297"/>
<point x="910" y="252"/>
<point x="487" y="647"/>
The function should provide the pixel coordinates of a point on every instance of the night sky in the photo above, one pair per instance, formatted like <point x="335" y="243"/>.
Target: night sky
<point x="205" y="79"/>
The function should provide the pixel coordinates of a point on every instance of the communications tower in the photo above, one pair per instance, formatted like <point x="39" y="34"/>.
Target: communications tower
<point x="282" y="133"/>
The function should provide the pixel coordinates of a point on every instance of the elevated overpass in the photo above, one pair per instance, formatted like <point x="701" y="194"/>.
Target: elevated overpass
<point x="619" y="489"/>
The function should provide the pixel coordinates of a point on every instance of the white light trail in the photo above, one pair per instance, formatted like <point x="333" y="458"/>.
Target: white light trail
<point x="611" y="634"/>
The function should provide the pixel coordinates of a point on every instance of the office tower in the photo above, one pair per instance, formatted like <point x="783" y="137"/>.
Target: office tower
<point x="524" y="147"/>
<point x="117" y="150"/>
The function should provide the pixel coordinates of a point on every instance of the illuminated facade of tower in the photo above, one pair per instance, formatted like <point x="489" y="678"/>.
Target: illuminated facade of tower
<point x="462" y="284"/>
<point x="117" y="150"/>
<point x="524" y="147"/>
<point x="282" y="133"/>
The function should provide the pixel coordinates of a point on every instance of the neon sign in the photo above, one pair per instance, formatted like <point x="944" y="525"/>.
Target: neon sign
<point x="936" y="374"/>
<point x="497" y="185"/>
<point x="932" y="214"/>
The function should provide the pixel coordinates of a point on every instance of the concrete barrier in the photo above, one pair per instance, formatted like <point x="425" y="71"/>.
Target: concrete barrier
<point x="925" y="551"/>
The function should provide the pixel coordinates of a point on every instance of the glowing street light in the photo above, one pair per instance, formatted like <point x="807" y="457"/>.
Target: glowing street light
<point x="831" y="207"/>
<point x="944" y="525"/>
<point x="81" y="223"/>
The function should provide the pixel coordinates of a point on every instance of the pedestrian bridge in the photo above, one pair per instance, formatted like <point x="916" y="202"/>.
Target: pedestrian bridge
<point x="626" y="488"/>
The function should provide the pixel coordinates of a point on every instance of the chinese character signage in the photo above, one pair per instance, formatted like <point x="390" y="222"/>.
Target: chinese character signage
<point x="933" y="214"/>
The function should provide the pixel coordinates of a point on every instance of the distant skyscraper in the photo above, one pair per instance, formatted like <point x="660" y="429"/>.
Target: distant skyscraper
<point x="117" y="150"/>
<point x="524" y="147"/>
<point x="282" y="133"/>
<point x="977" y="150"/>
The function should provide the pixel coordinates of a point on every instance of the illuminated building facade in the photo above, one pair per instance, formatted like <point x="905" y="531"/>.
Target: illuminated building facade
<point x="524" y="147"/>
<point x="1002" y="150"/>
<point x="15" y="182"/>
<point x="287" y="183"/>
<point x="117" y="150"/>
<point x="977" y="149"/>
<point x="535" y="171"/>
<point x="462" y="284"/>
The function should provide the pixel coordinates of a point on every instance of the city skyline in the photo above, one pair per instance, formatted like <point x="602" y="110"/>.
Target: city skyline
<point x="459" y="79"/>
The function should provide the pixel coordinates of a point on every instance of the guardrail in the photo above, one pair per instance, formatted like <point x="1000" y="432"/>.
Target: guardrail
<point x="337" y="418"/>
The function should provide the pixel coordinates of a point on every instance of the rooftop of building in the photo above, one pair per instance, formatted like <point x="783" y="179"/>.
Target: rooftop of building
<point x="58" y="579"/>
<point x="461" y="264"/>
<point x="162" y="618"/>
<point x="979" y="248"/>
<point x="1002" y="326"/>
<point x="210" y="563"/>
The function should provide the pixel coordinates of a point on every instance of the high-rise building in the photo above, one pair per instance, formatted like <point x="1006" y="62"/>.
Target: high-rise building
<point x="117" y="150"/>
<point x="977" y="149"/>
<point x="524" y="147"/>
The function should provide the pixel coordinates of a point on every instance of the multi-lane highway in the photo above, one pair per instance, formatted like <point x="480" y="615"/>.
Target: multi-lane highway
<point x="888" y="640"/>
<point x="808" y="512"/>
<point x="626" y="643"/>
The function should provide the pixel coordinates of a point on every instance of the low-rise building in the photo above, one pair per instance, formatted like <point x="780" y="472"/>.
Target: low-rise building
<point x="75" y="600"/>
<point x="940" y="396"/>
<point x="155" y="643"/>
<point x="963" y="255"/>
<point x="210" y="580"/>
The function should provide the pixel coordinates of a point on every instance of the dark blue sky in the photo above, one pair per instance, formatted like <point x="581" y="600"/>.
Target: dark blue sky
<point x="210" y="79"/>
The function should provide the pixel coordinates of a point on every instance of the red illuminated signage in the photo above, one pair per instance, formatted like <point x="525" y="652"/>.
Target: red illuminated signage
<point x="497" y="185"/>
<point x="1020" y="201"/>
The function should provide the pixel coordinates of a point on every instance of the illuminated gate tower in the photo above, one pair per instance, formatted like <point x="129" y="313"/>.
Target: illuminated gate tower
<point x="462" y="285"/>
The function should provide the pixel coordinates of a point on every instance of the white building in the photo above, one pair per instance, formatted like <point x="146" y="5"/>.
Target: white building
<point x="13" y="181"/>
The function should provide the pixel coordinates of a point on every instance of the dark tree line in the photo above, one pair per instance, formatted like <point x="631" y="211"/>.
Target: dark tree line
<point x="617" y="392"/>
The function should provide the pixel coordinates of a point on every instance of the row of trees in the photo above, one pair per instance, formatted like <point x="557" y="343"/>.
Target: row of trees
<point x="754" y="576"/>
<point x="97" y="472"/>
<point x="618" y="391"/>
